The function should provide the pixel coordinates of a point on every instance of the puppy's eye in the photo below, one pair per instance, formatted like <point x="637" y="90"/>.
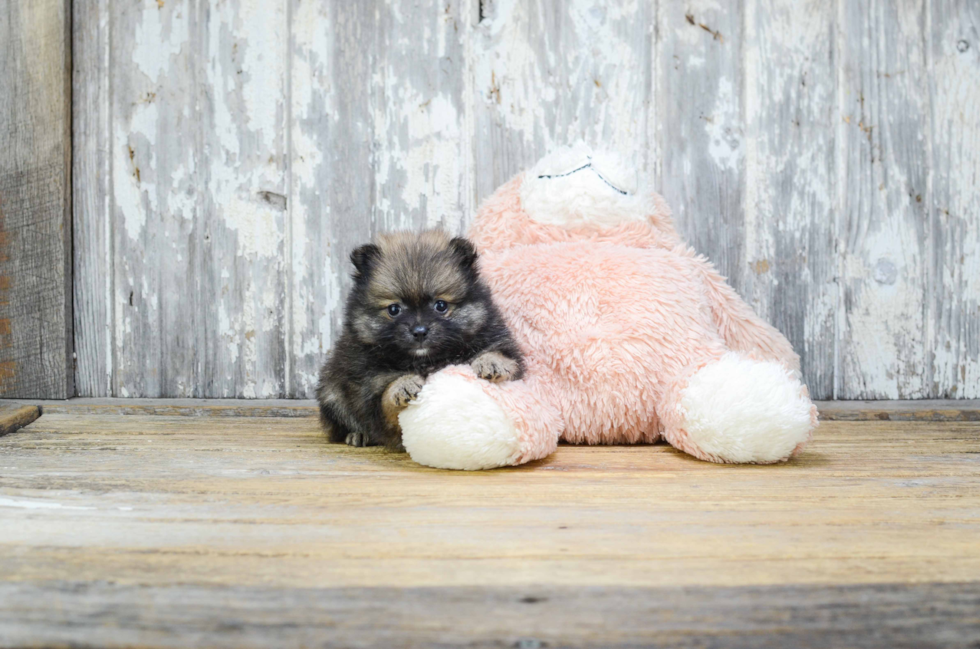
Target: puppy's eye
<point x="393" y="310"/>
<point x="440" y="306"/>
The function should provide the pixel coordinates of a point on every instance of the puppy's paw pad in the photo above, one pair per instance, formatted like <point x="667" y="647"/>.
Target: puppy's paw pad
<point x="357" y="439"/>
<point x="494" y="367"/>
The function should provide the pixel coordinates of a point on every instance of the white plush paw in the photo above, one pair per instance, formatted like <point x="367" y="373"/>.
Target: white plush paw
<point x="745" y="411"/>
<point x="454" y="424"/>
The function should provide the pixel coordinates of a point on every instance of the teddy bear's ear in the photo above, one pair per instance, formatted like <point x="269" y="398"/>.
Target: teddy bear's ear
<point x="464" y="251"/>
<point x="363" y="257"/>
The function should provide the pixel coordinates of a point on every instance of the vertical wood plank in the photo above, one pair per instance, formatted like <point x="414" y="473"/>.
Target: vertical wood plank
<point x="199" y="189"/>
<point x="422" y="158"/>
<point x="885" y="240"/>
<point x="243" y="275"/>
<point x="954" y="51"/>
<point x="790" y="261"/>
<point x="702" y="139"/>
<point x="156" y="184"/>
<point x="332" y="182"/>
<point x="379" y="142"/>
<point x="35" y="200"/>
<point x="91" y="175"/>
<point x="547" y="74"/>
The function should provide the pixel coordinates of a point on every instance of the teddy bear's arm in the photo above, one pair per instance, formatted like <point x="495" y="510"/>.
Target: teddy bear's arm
<point x="742" y="329"/>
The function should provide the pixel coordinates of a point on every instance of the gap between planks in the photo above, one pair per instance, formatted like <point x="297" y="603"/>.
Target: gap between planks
<point x="914" y="410"/>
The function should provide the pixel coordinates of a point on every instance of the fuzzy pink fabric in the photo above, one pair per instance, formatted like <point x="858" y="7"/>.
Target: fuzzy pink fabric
<point x="613" y="324"/>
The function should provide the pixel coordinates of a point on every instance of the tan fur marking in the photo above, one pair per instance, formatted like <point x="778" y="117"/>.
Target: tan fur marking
<point x="472" y="316"/>
<point x="366" y="328"/>
<point x="414" y="267"/>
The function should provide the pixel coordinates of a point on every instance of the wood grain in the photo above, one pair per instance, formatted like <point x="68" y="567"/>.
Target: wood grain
<point x="158" y="183"/>
<point x="14" y="418"/>
<point x="243" y="246"/>
<point x="921" y="410"/>
<point x="198" y="159"/>
<point x="788" y="272"/>
<point x="226" y="501"/>
<point x="916" y="616"/>
<point x="703" y="132"/>
<point x="190" y="531"/>
<point x="886" y="243"/>
<point x="175" y="407"/>
<point x="35" y="200"/>
<point x="954" y="214"/>
<point x="92" y="289"/>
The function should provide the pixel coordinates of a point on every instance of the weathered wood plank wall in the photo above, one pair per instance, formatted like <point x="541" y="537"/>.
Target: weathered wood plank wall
<point x="228" y="156"/>
<point x="35" y="200"/>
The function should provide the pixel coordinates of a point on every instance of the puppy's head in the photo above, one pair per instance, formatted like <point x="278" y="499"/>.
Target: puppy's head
<point x="417" y="294"/>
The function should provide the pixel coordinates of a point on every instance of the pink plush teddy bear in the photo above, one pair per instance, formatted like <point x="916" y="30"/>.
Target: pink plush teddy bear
<point x="629" y="335"/>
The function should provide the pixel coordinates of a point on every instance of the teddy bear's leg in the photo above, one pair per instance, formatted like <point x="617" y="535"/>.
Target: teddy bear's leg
<point x="460" y="421"/>
<point x="740" y="327"/>
<point x="736" y="409"/>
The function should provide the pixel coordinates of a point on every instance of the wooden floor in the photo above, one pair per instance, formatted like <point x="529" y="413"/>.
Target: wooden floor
<point x="174" y="530"/>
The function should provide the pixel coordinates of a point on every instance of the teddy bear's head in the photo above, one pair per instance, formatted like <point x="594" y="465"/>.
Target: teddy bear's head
<point x="571" y="194"/>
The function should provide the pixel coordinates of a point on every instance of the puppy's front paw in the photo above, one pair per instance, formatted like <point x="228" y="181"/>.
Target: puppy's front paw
<point x="495" y="367"/>
<point x="357" y="439"/>
<point x="402" y="391"/>
<point x="399" y="393"/>
<point x="405" y="389"/>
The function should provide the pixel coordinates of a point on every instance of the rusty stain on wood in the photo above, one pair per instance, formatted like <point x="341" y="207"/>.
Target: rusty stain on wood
<point x="715" y="34"/>
<point x="761" y="266"/>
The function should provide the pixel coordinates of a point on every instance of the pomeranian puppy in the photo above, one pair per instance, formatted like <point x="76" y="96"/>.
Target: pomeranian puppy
<point x="417" y="305"/>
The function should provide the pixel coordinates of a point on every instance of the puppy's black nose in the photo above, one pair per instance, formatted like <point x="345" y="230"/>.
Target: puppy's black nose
<point x="419" y="331"/>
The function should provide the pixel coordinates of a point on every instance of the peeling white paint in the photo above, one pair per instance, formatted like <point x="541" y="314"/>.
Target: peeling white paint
<point x="228" y="332"/>
<point x="955" y="310"/>
<point x="723" y="127"/>
<point x="428" y="158"/>
<point x="263" y="66"/>
<point x="160" y="35"/>
<point x="182" y="199"/>
<point x="259" y="235"/>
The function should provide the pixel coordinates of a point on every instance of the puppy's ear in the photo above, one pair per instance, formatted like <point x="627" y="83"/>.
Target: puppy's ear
<point x="464" y="251"/>
<point x="364" y="257"/>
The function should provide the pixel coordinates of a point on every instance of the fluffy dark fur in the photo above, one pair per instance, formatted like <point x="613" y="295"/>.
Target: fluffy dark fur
<point x="417" y="305"/>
